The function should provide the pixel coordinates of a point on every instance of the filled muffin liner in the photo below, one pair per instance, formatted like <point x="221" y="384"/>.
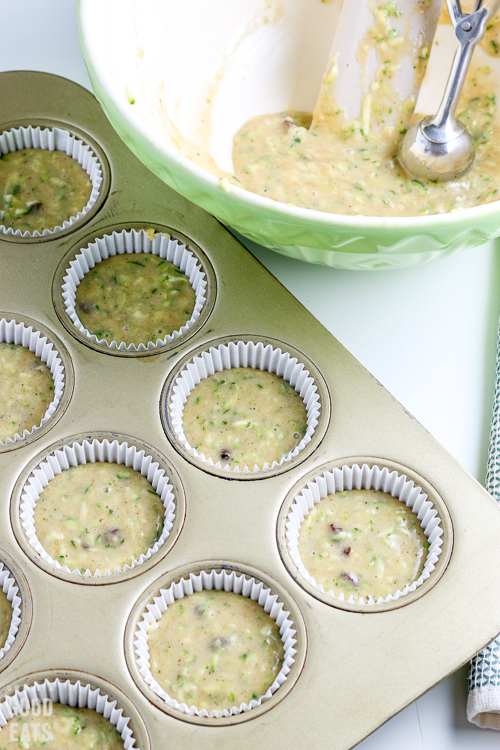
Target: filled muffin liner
<point x="75" y="694"/>
<point x="11" y="590"/>
<point x="54" y="139"/>
<point x="92" y="452"/>
<point x="223" y="580"/>
<point x="131" y="242"/>
<point x="12" y="332"/>
<point x="245" y="354"/>
<point x="366" y="477"/>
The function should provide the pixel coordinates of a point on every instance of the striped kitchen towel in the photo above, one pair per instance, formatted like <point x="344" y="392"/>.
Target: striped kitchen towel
<point x="483" y="705"/>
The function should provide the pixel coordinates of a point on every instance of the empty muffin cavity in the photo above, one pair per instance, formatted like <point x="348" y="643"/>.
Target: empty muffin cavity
<point x="157" y="296"/>
<point x="213" y="580"/>
<point x="15" y="333"/>
<point x="95" y="452"/>
<point x="49" y="139"/>
<point x="363" y="477"/>
<point x="234" y="356"/>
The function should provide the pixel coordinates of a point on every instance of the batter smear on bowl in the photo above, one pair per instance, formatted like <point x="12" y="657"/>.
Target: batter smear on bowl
<point x="135" y="298"/>
<point x="98" y="516"/>
<point x="215" y="650"/>
<point x="243" y="416"/>
<point x="26" y="390"/>
<point x="58" y="726"/>
<point x="41" y="189"/>
<point x="362" y="542"/>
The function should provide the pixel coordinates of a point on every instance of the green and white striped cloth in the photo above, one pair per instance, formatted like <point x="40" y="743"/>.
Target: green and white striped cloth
<point x="483" y="705"/>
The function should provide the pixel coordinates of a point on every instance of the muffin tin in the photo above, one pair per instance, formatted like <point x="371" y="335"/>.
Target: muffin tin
<point x="355" y="665"/>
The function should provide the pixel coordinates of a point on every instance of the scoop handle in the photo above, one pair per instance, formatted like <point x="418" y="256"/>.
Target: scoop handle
<point x="469" y="29"/>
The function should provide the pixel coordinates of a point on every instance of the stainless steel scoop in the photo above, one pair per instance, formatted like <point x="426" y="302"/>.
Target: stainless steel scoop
<point x="440" y="147"/>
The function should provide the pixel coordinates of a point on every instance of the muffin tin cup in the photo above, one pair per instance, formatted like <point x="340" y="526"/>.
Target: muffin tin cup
<point x="39" y="693"/>
<point x="92" y="451"/>
<point x="244" y="353"/>
<point x="134" y="241"/>
<point x="365" y="476"/>
<point x="54" y="139"/>
<point x="223" y="578"/>
<point x="18" y="333"/>
<point x="11" y="590"/>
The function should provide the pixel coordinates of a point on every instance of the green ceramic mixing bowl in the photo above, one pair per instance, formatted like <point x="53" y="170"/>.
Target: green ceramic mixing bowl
<point x="115" y="53"/>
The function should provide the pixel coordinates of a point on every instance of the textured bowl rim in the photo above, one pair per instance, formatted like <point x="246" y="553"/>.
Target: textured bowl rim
<point x="145" y="131"/>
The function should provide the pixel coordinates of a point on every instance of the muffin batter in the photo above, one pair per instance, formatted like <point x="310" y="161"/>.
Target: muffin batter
<point x="5" y="618"/>
<point x="244" y="416"/>
<point x="98" y="516"/>
<point x="26" y="390"/>
<point x="55" y="726"/>
<point x="215" y="650"/>
<point x="41" y="189"/>
<point x="350" y="167"/>
<point x="135" y="298"/>
<point x="362" y="542"/>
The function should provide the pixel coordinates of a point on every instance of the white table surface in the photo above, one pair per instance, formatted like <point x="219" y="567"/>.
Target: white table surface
<point x="427" y="334"/>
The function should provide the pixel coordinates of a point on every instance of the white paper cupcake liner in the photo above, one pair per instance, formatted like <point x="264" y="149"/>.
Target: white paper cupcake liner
<point x="134" y="241"/>
<point x="366" y="477"/>
<point x="92" y="452"/>
<point x="11" y="590"/>
<point x="70" y="694"/>
<point x="221" y="581"/>
<point x="12" y="332"/>
<point x="245" y="354"/>
<point x="54" y="139"/>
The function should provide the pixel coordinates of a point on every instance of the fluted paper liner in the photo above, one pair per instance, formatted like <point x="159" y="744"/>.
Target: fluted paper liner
<point x="54" y="139"/>
<point x="92" y="452"/>
<point x="245" y="354"/>
<point x="134" y="241"/>
<point x="12" y="332"/>
<point x="76" y="694"/>
<point x="366" y="477"/>
<point x="221" y="581"/>
<point x="11" y="590"/>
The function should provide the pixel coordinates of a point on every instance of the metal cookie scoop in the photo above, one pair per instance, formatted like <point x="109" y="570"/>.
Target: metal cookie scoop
<point x="440" y="147"/>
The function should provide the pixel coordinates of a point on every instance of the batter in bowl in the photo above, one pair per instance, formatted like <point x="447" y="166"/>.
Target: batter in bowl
<point x="350" y="167"/>
<point x="215" y="650"/>
<point x="55" y="726"/>
<point x="135" y="298"/>
<point x="244" y="417"/>
<point x="362" y="542"/>
<point x="26" y="390"/>
<point x="98" y="516"/>
<point x="41" y="189"/>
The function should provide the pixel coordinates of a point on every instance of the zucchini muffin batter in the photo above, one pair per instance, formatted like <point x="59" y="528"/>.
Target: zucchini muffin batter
<point x="135" y="298"/>
<point x="5" y="618"/>
<point x="215" y="650"/>
<point x="41" y="189"/>
<point x="362" y="542"/>
<point x="350" y="167"/>
<point x="244" y="416"/>
<point x="55" y="726"/>
<point x="26" y="390"/>
<point x="98" y="516"/>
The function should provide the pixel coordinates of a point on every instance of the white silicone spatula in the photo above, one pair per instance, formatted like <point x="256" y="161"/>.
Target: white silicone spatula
<point x="356" y="57"/>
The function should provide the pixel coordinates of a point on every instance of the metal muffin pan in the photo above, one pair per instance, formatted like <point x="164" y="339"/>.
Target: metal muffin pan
<point x="358" y="666"/>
